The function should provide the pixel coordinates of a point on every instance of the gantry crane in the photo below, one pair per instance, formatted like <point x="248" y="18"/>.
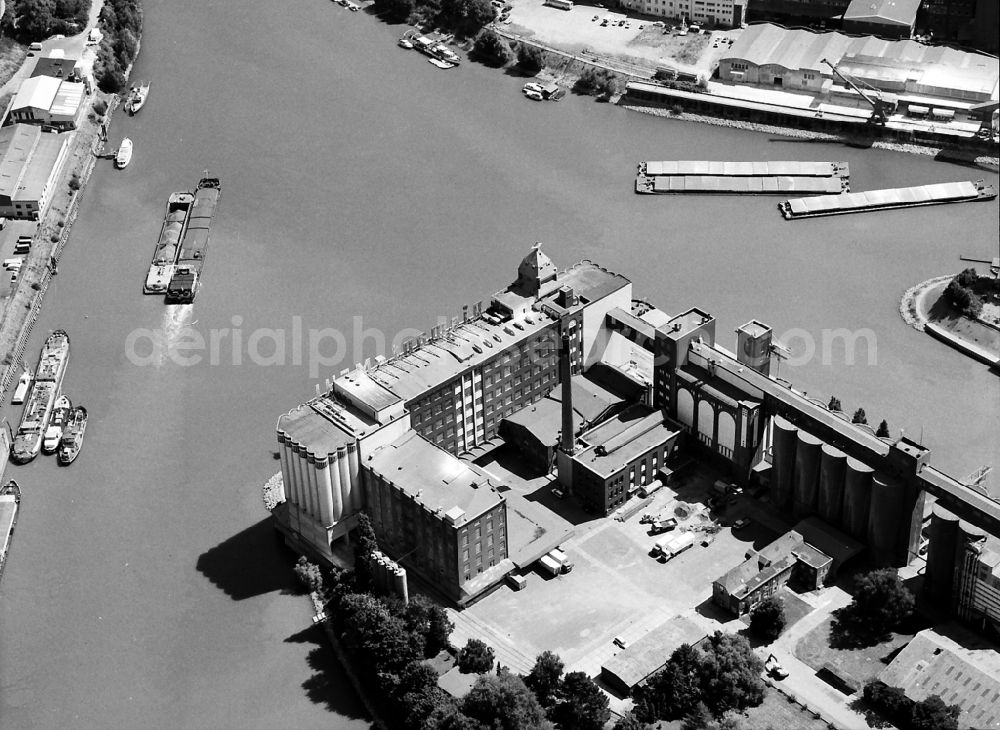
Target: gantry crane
<point x="881" y="109"/>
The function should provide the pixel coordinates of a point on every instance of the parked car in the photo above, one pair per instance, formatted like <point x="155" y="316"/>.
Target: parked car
<point x="556" y="491"/>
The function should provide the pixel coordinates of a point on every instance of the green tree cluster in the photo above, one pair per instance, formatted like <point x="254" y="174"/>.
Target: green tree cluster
<point x="767" y="620"/>
<point x="491" y="49"/>
<point x="365" y="547"/>
<point x="724" y="675"/>
<point x="121" y="23"/>
<point x="572" y="701"/>
<point x="893" y="705"/>
<point x="834" y="404"/>
<point x="464" y="17"/>
<point x="35" y="20"/>
<point x="475" y="658"/>
<point x="597" y="82"/>
<point x="530" y="59"/>
<point x="308" y="574"/>
<point x="880" y="603"/>
<point x="859" y="417"/>
<point x="960" y="292"/>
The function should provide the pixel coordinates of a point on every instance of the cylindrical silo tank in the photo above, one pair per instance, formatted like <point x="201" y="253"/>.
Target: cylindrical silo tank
<point x="857" y="496"/>
<point x="832" y="471"/>
<point x="399" y="581"/>
<point x="807" y="457"/>
<point x="783" y="461"/>
<point x="884" y="517"/>
<point x="941" y="554"/>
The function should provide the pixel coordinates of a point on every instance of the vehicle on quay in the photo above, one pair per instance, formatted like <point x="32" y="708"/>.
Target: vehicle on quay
<point x="57" y="422"/>
<point x="23" y="386"/>
<point x="658" y="527"/>
<point x="167" y="246"/>
<point x="72" y="440"/>
<point x="670" y="547"/>
<point x="550" y="565"/>
<point x="124" y="154"/>
<point x="48" y="383"/>
<point x="186" y="279"/>
<point x="137" y="97"/>
<point x="10" y="503"/>
<point x="558" y="555"/>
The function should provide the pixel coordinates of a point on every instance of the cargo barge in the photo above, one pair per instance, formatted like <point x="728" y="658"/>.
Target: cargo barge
<point x="10" y="503"/>
<point x="48" y="384"/>
<point x="742" y="178"/>
<point x="890" y="199"/>
<point x="186" y="278"/>
<point x="168" y="245"/>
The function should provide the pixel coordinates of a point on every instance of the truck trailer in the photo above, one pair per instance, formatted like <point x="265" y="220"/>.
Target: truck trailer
<point x="669" y="547"/>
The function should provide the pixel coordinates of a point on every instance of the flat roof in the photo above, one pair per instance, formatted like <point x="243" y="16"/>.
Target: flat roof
<point x="935" y="664"/>
<point x="648" y="654"/>
<point x="544" y="417"/>
<point x="323" y="425"/>
<point x="359" y="385"/>
<point x="682" y="324"/>
<point x="67" y="99"/>
<point x="829" y="540"/>
<point x="27" y="159"/>
<point x="37" y="92"/>
<point x="613" y="444"/>
<point x="434" y="478"/>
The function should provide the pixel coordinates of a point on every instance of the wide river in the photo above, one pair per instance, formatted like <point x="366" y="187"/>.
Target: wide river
<point x="146" y="587"/>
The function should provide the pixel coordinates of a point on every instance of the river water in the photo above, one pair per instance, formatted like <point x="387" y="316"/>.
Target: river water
<point x="365" y="190"/>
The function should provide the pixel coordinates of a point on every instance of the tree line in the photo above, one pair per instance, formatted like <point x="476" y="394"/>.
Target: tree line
<point x="121" y="24"/>
<point x="464" y="17"/>
<point x="35" y="20"/>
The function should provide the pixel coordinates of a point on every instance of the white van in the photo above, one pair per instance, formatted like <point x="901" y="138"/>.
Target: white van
<point x="35" y="47"/>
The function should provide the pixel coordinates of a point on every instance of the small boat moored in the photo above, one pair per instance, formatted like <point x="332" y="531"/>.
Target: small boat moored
<point x="137" y="97"/>
<point x="441" y="64"/>
<point x="124" y="154"/>
<point x="60" y="417"/>
<point x="10" y="502"/>
<point x="405" y="43"/>
<point x="21" y="391"/>
<point x="533" y="95"/>
<point x="72" y="440"/>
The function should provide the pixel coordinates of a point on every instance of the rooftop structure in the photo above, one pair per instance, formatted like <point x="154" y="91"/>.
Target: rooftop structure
<point x="883" y="17"/>
<point x="935" y="664"/>
<point x="30" y="162"/>
<point x="634" y="664"/>
<point x="58" y="66"/>
<point x="612" y="445"/>
<point x="48" y="101"/>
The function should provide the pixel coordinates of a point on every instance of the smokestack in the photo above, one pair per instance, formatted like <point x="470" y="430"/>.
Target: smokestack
<point x="568" y="444"/>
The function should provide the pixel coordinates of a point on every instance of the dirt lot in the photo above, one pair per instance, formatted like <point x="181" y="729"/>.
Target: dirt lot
<point x="627" y="37"/>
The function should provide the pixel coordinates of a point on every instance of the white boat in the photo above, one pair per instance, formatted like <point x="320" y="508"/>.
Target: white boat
<point x="533" y="95"/>
<point x="21" y="391"/>
<point x="124" y="155"/>
<point x="60" y="417"/>
<point x="405" y="43"/>
<point x="441" y="64"/>
<point x="137" y="97"/>
<point x="532" y="86"/>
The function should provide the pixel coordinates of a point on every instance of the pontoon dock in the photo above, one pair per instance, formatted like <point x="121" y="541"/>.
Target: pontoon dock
<point x="937" y="194"/>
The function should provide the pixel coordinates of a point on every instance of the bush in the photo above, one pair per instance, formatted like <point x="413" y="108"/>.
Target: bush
<point x="395" y="10"/>
<point x="531" y="59"/>
<point x="491" y="49"/>
<point x="308" y="574"/>
<point x="676" y="110"/>
<point x="597" y="82"/>
<point x="880" y="603"/>
<point x="100" y="107"/>
<point x="74" y="182"/>
<point x="859" y="417"/>
<point x="963" y="298"/>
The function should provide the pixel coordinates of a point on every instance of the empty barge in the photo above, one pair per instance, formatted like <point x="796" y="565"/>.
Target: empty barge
<point x="871" y="200"/>
<point x="742" y="178"/>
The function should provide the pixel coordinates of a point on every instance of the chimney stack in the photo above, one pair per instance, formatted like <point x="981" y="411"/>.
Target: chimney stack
<point x="568" y="444"/>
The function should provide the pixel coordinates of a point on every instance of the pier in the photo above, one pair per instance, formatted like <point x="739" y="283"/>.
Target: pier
<point x="889" y="199"/>
<point x="742" y="178"/>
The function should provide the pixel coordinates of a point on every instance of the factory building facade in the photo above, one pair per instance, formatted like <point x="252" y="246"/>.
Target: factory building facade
<point x="711" y="13"/>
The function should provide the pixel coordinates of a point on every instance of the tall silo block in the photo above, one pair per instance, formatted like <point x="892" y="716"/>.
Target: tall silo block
<point x="857" y="495"/>
<point x="884" y="515"/>
<point x="807" y="458"/>
<point x="783" y="445"/>
<point x="400" y="584"/>
<point x="832" y="472"/>
<point x="910" y="524"/>
<point x="943" y="536"/>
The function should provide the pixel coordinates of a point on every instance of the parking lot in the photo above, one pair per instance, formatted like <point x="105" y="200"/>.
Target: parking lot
<point x="616" y="588"/>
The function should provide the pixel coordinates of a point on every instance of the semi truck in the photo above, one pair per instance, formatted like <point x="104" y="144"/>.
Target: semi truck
<point x="560" y="557"/>
<point x="669" y="547"/>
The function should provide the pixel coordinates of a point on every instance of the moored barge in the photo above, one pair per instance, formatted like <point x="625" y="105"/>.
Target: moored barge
<point x="48" y="384"/>
<point x="889" y="199"/>
<point x="168" y="245"/>
<point x="10" y="503"/>
<point x="742" y="178"/>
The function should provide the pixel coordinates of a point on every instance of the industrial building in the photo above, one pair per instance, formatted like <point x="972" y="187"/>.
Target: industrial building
<point x="49" y="102"/>
<point x="935" y="664"/>
<point x="926" y="76"/>
<point x="710" y="13"/>
<point x="59" y="66"/>
<point x="810" y="556"/>
<point x="635" y="386"/>
<point x="637" y="662"/>
<point x="963" y="571"/>
<point x="30" y="162"/>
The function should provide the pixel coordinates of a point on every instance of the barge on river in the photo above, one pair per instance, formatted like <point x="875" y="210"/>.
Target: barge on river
<point x="186" y="278"/>
<point x="742" y="178"/>
<point x="48" y="384"/>
<point x="10" y="502"/>
<point x="168" y="245"/>
<point x="872" y="200"/>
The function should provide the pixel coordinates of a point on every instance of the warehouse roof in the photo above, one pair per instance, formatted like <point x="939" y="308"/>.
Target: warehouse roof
<point x="632" y="665"/>
<point x="27" y="157"/>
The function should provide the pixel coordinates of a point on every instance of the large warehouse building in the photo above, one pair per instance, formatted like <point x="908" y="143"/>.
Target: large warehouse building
<point x="30" y="161"/>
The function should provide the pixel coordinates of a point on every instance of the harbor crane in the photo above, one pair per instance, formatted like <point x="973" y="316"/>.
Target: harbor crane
<point x="881" y="109"/>
<point x="977" y="479"/>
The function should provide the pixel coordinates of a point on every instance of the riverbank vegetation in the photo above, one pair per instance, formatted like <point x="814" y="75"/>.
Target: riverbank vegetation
<point x="121" y="24"/>
<point x="968" y="291"/>
<point x="36" y="20"/>
<point x="490" y="49"/>
<point x="463" y="17"/>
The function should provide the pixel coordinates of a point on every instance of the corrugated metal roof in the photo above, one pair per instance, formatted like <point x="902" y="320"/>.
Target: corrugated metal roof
<point x="37" y="93"/>
<point x="890" y="12"/>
